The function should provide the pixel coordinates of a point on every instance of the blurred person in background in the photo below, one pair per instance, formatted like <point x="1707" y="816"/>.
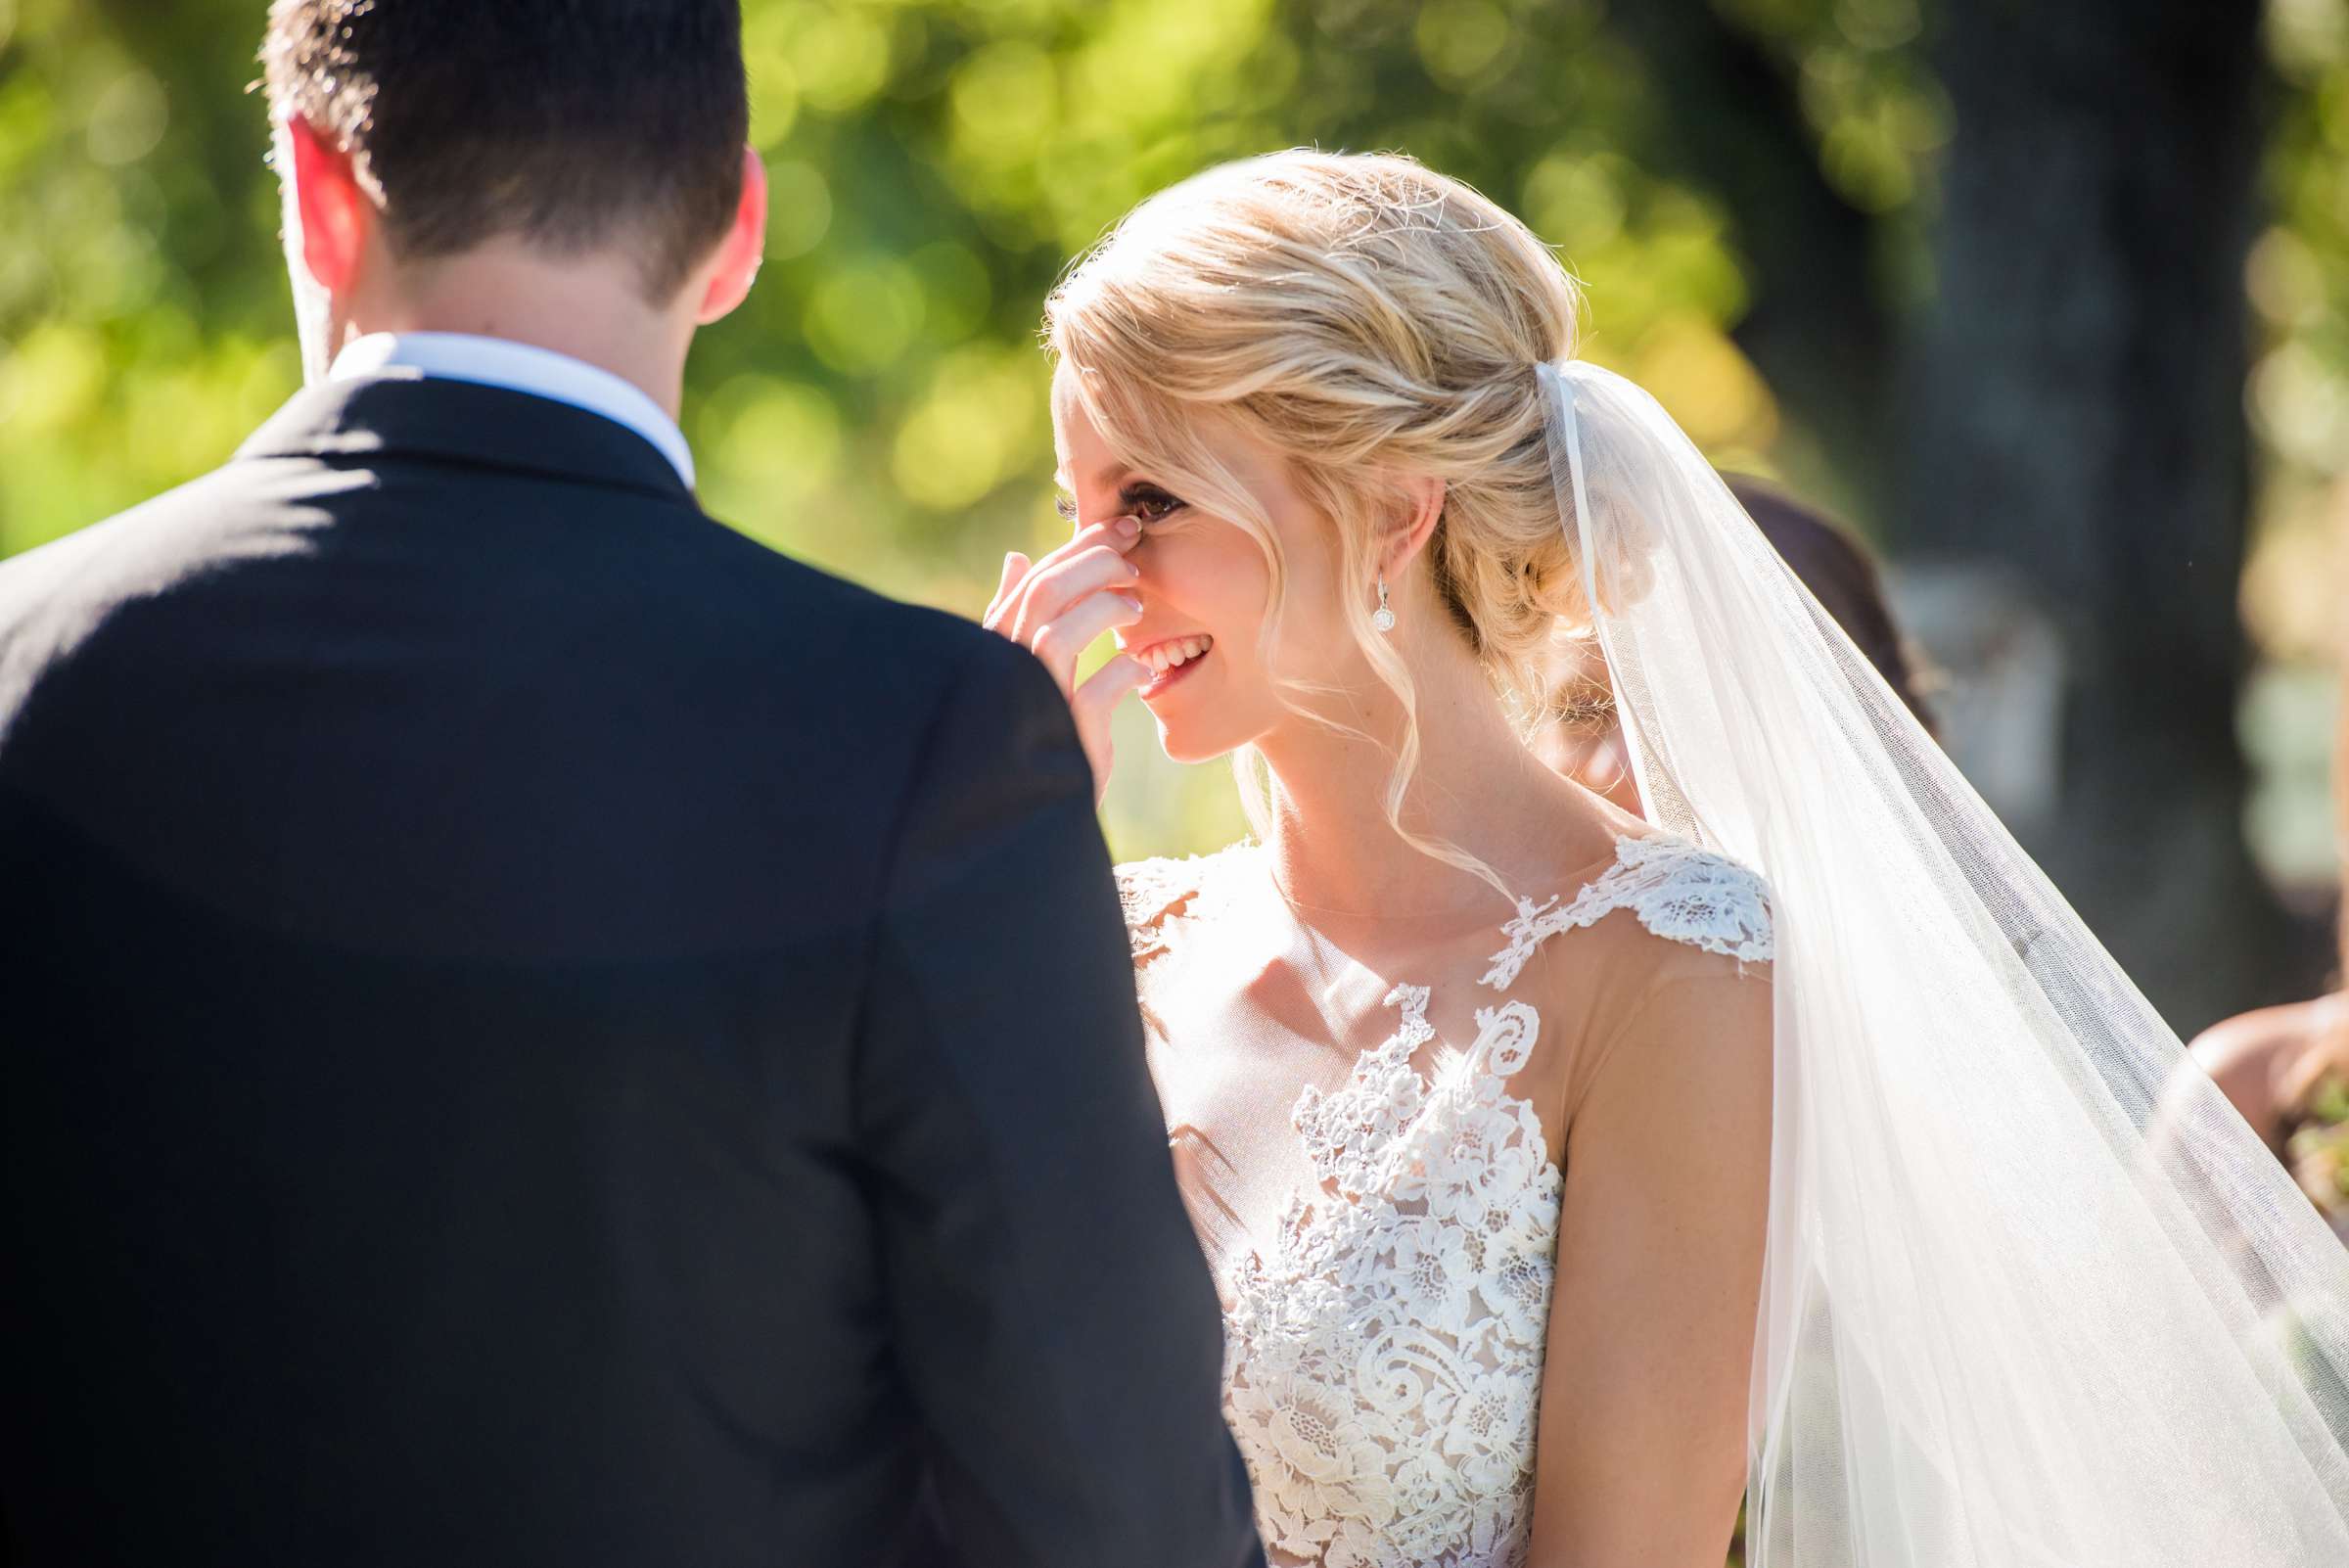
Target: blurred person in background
<point x="2286" y="1068"/>
<point x="523" y="1032"/>
<point x="1580" y="734"/>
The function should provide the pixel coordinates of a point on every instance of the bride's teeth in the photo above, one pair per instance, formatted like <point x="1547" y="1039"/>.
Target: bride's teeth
<point x="1174" y="655"/>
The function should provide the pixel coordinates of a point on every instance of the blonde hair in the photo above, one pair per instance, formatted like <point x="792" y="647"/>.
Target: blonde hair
<point x="1369" y="320"/>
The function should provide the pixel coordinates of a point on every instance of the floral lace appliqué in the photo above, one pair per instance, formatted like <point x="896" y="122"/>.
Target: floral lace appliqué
<point x="1383" y="1355"/>
<point x="1384" y="1361"/>
<point x="1155" y="893"/>
<point x="1677" y="890"/>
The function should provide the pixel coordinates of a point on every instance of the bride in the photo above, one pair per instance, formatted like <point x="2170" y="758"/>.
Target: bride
<point x="1565" y="1176"/>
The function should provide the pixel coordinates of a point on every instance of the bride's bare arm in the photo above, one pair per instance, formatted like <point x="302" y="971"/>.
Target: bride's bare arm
<point x="1642" y="1455"/>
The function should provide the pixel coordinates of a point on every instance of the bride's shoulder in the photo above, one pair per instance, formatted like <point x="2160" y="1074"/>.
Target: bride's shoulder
<point x="1159" y="893"/>
<point x="1684" y="892"/>
<point x="1674" y="893"/>
<point x="1678" y="984"/>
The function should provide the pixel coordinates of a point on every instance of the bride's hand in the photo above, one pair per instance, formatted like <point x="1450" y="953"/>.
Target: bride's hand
<point x="1059" y="606"/>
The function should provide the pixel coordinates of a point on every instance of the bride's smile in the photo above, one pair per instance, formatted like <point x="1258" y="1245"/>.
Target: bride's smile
<point x="1171" y="659"/>
<point x="1212" y="676"/>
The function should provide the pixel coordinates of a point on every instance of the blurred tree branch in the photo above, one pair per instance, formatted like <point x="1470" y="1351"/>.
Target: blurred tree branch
<point x="1820" y="328"/>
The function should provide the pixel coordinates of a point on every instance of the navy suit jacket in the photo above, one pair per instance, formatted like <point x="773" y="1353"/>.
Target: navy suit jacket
<point x="535" y="1030"/>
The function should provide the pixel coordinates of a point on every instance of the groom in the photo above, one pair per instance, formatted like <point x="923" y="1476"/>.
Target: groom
<point x="532" y="1030"/>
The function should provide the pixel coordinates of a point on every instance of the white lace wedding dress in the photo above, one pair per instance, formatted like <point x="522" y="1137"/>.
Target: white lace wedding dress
<point x="1384" y="1340"/>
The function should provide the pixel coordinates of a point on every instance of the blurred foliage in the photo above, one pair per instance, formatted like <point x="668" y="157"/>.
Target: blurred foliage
<point x="878" y="407"/>
<point x="2298" y="402"/>
<point x="2298" y="285"/>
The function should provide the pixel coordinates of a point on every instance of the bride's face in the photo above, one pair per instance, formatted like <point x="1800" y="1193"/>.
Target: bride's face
<point x="1205" y="587"/>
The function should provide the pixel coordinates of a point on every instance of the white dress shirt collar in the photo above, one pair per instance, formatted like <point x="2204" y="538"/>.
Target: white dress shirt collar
<point x="518" y="367"/>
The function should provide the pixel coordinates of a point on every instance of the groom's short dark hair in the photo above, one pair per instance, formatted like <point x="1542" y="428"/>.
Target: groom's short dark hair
<point x="567" y="122"/>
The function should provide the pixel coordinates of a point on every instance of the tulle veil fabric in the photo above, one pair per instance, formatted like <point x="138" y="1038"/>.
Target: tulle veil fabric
<point x="2034" y="1293"/>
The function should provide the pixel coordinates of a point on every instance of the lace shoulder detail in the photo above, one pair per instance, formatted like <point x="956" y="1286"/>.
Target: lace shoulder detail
<point x="1679" y="891"/>
<point x="1161" y="890"/>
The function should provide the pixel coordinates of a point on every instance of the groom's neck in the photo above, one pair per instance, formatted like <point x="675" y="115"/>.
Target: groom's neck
<point x="589" y="307"/>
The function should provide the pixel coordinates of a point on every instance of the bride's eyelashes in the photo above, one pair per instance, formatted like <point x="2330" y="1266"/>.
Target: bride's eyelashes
<point x="1144" y="502"/>
<point x="1147" y="503"/>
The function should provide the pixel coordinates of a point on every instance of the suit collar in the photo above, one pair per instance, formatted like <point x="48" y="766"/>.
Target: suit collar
<point x="518" y="367"/>
<point x="464" y="422"/>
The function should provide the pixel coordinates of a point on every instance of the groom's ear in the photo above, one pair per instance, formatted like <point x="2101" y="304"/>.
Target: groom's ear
<point x="744" y="247"/>
<point x="333" y="208"/>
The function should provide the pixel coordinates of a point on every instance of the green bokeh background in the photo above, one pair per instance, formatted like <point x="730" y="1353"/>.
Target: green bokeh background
<point x="879" y="407"/>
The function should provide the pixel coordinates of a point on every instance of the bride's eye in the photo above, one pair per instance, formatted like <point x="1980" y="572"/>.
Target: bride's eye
<point x="1148" y="503"/>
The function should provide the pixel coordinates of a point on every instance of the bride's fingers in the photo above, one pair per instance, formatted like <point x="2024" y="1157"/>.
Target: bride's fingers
<point x="1119" y="533"/>
<point x="1053" y="588"/>
<point x="1105" y="686"/>
<point x="1015" y="567"/>
<point x="1092" y="705"/>
<point x="1060" y="642"/>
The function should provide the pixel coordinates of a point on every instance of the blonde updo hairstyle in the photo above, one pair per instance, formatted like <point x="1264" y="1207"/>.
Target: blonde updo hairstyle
<point x="1369" y="320"/>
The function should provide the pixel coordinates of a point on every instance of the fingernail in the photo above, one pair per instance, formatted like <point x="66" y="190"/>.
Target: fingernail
<point x="1131" y="602"/>
<point x="1133" y="571"/>
<point x="1127" y="527"/>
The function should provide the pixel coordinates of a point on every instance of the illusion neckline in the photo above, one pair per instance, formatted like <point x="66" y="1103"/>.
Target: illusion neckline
<point x="1573" y="881"/>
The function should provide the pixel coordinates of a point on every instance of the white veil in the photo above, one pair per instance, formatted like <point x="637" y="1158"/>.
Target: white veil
<point x="2034" y="1293"/>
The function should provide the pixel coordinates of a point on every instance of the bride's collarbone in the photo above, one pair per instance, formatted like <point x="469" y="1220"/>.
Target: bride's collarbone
<point x="1319" y="986"/>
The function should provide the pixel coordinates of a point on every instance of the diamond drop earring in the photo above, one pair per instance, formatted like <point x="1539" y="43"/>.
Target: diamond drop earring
<point x="1382" y="618"/>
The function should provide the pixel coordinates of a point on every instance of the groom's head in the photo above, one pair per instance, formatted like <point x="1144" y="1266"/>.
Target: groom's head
<point x="602" y="136"/>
